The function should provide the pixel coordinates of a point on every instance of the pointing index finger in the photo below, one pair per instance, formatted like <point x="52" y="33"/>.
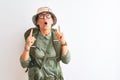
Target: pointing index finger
<point x="31" y="32"/>
<point x="59" y="28"/>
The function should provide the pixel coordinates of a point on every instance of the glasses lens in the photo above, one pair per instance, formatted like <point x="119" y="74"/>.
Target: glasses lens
<point x="41" y="16"/>
<point x="47" y="15"/>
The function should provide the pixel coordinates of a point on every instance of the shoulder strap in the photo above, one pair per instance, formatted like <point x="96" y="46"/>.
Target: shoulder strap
<point x="56" y="44"/>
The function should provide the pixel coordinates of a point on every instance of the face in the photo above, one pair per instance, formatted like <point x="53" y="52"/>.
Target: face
<point x="45" y="21"/>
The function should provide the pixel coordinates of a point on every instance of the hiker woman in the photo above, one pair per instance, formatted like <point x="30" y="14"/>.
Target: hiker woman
<point x="44" y="48"/>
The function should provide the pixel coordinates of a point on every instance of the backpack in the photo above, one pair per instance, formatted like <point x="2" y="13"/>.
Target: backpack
<point x="56" y="44"/>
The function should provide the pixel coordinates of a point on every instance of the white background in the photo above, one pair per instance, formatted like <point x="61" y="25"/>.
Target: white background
<point x="91" y="28"/>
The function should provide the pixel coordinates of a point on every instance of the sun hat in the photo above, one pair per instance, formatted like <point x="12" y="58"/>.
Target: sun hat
<point x="41" y="10"/>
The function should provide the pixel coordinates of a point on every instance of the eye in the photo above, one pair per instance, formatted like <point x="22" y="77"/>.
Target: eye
<point x="41" y="16"/>
<point x="48" y="15"/>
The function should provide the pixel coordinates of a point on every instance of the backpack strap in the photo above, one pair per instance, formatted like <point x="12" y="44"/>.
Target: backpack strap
<point x="57" y="45"/>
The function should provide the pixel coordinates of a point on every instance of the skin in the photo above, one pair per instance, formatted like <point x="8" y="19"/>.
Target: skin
<point x="45" y="29"/>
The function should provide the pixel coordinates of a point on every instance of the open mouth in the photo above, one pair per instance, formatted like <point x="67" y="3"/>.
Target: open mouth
<point x="45" y="23"/>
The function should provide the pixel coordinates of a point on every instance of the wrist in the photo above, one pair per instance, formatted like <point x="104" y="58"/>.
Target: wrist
<point x="27" y="48"/>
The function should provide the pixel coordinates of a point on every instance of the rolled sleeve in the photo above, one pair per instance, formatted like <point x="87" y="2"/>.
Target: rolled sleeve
<point x="66" y="59"/>
<point x="24" y="64"/>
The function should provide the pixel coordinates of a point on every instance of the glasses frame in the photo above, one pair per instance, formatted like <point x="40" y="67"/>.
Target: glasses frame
<point x="43" y="15"/>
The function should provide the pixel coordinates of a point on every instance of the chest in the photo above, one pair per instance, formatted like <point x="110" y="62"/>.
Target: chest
<point x="44" y="47"/>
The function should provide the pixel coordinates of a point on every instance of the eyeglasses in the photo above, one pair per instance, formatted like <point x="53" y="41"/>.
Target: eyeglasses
<point x="47" y="15"/>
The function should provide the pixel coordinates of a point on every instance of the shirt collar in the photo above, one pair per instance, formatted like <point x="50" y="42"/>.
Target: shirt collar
<point x="46" y="37"/>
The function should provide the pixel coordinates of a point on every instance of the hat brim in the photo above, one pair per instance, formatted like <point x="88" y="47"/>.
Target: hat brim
<point x="34" y="19"/>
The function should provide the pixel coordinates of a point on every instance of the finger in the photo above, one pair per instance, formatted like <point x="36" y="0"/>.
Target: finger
<point x="59" y="28"/>
<point x="31" y="32"/>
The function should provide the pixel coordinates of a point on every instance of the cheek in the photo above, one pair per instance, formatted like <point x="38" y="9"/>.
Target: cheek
<point x="51" y="21"/>
<point x="38" y="22"/>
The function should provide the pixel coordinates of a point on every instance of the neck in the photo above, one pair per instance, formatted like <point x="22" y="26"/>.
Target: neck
<point x="45" y="32"/>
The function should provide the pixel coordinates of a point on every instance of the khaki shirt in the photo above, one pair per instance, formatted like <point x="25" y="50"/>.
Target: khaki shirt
<point x="51" y="68"/>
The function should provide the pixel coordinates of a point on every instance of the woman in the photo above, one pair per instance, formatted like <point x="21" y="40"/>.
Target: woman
<point x="45" y="47"/>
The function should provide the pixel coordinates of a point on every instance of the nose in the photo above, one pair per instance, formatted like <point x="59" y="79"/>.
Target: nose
<point x="45" y="17"/>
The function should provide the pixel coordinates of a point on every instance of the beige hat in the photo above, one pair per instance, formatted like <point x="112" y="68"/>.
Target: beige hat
<point x="41" y="10"/>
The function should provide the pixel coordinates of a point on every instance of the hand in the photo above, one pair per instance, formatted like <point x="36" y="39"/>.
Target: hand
<point x="30" y="40"/>
<point x="60" y="36"/>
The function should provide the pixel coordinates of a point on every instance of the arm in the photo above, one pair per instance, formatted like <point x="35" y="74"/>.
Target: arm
<point x="24" y="58"/>
<point x="65" y="55"/>
<point x="65" y="52"/>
